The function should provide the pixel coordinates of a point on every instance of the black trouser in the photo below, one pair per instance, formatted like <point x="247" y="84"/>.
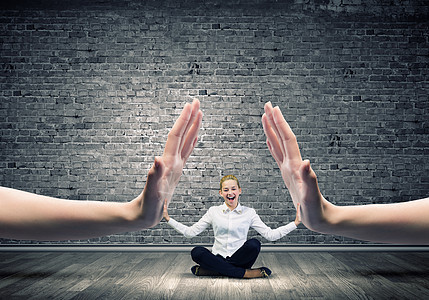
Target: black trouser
<point x="234" y="266"/>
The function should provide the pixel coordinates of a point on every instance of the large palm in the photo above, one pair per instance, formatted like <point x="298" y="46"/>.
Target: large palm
<point x="297" y="174"/>
<point x="165" y="174"/>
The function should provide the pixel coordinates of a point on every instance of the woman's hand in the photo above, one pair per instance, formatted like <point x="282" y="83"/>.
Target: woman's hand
<point x="165" y="212"/>
<point x="298" y="216"/>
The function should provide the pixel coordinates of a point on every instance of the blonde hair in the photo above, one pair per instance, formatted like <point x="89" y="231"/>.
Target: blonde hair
<point x="228" y="177"/>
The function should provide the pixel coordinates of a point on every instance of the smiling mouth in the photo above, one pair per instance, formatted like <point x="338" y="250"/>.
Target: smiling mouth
<point x="231" y="198"/>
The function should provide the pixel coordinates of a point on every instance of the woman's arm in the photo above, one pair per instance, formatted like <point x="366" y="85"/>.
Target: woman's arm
<point x="187" y="231"/>
<point x="404" y="223"/>
<point x="29" y="216"/>
<point x="274" y="234"/>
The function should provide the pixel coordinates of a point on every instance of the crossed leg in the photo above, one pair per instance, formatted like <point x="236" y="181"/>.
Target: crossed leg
<point x="237" y="266"/>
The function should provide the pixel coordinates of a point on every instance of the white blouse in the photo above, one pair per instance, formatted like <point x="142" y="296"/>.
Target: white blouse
<point x="231" y="227"/>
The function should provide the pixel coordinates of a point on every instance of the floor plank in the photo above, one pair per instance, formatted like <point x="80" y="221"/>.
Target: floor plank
<point x="166" y="275"/>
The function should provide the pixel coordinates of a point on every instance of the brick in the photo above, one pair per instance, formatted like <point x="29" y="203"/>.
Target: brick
<point x="86" y="101"/>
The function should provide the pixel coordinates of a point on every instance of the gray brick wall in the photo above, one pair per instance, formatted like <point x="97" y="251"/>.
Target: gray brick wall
<point x="90" y="90"/>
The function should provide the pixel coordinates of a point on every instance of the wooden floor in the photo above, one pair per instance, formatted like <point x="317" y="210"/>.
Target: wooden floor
<point x="157" y="275"/>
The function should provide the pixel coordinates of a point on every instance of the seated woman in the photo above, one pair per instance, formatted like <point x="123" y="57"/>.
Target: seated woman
<point x="231" y="254"/>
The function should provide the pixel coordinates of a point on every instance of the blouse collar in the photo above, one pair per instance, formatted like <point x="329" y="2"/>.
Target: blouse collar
<point x="226" y="209"/>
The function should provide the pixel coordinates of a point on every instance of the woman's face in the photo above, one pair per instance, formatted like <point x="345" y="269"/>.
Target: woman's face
<point x="230" y="193"/>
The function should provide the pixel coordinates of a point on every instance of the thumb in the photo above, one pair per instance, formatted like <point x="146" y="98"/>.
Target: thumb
<point x="307" y="173"/>
<point x="155" y="174"/>
<point x="305" y="168"/>
<point x="309" y="179"/>
<point x="159" y="165"/>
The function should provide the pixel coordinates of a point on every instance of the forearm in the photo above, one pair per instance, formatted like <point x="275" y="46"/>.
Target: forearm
<point x="403" y="223"/>
<point x="187" y="231"/>
<point x="276" y="234"/>
<point x="179" y="227"/>
<point x="29" y="216"/>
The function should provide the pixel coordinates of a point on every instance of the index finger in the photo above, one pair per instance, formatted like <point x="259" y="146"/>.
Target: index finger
<point x="272" y="141"/>
<point x="175" y="136"/>
<point x="194" y="115"/>
<point x="274" y="133"/>
<point x="288" y="137"/>
<point x="191" y="137"/>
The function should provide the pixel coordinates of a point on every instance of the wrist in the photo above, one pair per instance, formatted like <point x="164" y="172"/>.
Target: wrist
<point x="133" y="214"/>
<point x="141" y="217"/>
<point x="326" y="222"/>
<point x="319" y="215"/>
